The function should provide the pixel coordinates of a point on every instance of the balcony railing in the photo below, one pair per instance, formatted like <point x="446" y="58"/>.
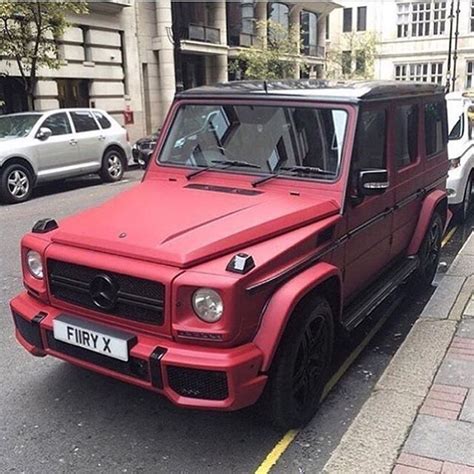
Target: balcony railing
<point x="313" y="50"/>
<point x="206" y="34"/>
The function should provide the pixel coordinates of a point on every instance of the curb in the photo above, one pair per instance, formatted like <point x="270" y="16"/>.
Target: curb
<point x="374" y="439"/>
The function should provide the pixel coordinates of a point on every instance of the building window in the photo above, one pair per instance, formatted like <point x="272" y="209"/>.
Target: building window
<point x="417" y="19"/>
<point x="421" y="72"/>
<point x="347" y="20"/>
<point x="360" y="61"/>
<point x="327" y="27"/>
<point x="469" y="74"/>
<point x="279" y="13"/>
<point x="361" y="18"/>
<point x="309" y="32"/>
<point x="472" y="16"/>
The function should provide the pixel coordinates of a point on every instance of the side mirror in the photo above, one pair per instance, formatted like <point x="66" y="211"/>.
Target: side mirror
<point x="144" y="158"/>
<point x="44" y="133"/>
<point x="373" y="182"/>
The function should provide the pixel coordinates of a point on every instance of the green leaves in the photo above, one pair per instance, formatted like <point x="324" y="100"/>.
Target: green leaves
<point x="29" y="32"/>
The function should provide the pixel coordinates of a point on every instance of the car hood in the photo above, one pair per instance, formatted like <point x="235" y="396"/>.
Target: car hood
<point x="182" y="224"/>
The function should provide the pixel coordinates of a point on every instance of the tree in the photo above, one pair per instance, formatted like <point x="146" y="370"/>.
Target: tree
<point x="29" y="33"/>
<point x="279" y="58"/>
<point x="353" y="57"/>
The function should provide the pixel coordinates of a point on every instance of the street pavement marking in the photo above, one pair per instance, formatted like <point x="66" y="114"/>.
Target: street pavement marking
<point x="284" y="443"/>
<point x="276" y="452"/>
<point x="449" y="236"/>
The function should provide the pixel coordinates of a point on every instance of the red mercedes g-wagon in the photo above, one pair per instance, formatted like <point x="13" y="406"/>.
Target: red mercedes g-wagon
<point x="271" y="214"/>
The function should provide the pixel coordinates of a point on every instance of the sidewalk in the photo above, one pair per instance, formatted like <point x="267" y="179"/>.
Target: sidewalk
<point x="420" y="416"/>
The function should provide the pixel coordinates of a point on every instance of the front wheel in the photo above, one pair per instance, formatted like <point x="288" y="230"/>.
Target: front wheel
<point x="113" y="166"/>
<point x="467" y="201"/>
<point x="16" y="184"/>
<point x="429" y="252"/>
<point x="301" y="367"/>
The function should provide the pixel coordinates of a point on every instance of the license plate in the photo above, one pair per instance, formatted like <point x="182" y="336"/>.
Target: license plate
<point x="93" y="337"/>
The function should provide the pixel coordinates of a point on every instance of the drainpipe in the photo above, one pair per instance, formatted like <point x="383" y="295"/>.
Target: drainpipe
<point x="448" y="72"/>
<point x="456" y="35"/>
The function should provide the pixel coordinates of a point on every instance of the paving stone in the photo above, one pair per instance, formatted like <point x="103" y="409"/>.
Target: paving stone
<point x="451" y="468"/>
<point x="400" y="469"/>
<point x="468" y="247"/>
<point x="420" y="462"/>
<point x="456" y="372"/>
<point x="448" y="389"/>
<point x="463" y="265"/>
<point x="469" y="311"/>
<point x="442" y="439"/>
<point x="443" y="298"/>
<point x="467" y="413"/>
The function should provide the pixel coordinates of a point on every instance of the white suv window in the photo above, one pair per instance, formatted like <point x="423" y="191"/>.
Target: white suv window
<point x="102" y="119"/>
<point x="84" y="121"/>
<point x="58" y="124"/>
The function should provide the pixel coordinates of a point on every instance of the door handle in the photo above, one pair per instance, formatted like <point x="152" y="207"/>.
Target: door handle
<point x="73" y="142"/>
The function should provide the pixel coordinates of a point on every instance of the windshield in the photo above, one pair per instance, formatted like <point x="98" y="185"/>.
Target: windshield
<point x="16" y="126"/>
<point x="258" y="139"/>
<point x="458" y="129"/>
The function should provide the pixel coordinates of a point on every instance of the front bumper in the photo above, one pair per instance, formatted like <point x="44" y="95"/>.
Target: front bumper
<point x="189" y="376"/>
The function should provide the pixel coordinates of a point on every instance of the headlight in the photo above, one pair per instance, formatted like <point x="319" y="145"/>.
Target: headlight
<point x="35" y="265"/>
<point x="454" y="163"/>
<point x="208" y="305"/>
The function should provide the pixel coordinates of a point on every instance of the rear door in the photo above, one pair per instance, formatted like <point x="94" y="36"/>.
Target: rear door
<point x="408" y="173"/>
<point x="58" y="155"/>
<point x="89" y="138"/>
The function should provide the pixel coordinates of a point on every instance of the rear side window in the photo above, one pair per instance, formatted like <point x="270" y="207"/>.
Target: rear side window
<point x="84" y="121"/>
<point x="102" y="119"/>
<point x="370" y="140"/>
<point x="58" y="124"/>
<point x="406" y="135"/>
<point x="436" y="135"/>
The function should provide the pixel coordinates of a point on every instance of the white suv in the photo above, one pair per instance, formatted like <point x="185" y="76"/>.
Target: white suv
<point x="36" y="147"/>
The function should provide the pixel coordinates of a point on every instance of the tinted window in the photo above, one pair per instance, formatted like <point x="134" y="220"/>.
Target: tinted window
<point x="58" y="124"/>
<point x="370" y="140"/>
<point x="435" y="128"/>
<point x="84" y="121"/>
<point x="102" y="119"/>
<point x="406" y="135"/>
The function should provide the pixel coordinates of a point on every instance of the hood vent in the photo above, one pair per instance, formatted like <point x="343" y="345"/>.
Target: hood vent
<point x="224" y="189"/>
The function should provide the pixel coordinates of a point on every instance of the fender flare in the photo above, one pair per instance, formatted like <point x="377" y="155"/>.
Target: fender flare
<point x="282" y="304"/>
<point x="431" y="201"/>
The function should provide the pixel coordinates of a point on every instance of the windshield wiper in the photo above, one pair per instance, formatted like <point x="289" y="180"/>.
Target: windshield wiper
<point x="226" y="163"/>
<point x="293" y="169"/>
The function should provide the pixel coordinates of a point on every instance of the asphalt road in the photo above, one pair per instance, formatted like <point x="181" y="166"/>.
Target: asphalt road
<point x="58" y="418"/>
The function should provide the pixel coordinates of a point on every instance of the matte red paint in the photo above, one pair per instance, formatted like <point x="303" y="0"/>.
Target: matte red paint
<point x="184" y="238"/>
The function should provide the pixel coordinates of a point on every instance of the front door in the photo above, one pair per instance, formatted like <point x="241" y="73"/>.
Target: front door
<point x="58" y="155"/>
<point x="367" y="251"/>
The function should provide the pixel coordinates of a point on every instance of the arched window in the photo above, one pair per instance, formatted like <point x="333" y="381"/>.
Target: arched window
<point x="309" y="32"/>
<point x="279" y="13"/>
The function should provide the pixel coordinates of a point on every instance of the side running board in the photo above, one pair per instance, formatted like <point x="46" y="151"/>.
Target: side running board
<point x="378" y="292"/>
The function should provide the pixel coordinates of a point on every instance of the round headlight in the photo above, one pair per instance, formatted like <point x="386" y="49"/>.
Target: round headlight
<point x="35" y="265"/>
<point x="208" y="305"/>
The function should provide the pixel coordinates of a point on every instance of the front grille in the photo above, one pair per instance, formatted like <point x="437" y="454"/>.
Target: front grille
<point x="136" y="298"/>
<point x="197" y="383"/>
<point x="137" y="368"/>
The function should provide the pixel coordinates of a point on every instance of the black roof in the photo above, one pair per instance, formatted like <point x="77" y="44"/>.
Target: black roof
<point x="347" y="91"/>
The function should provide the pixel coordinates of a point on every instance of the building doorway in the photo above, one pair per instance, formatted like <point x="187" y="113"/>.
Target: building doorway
<point x="13" y="97"/>
<point x="73" y="92"/>
<point x="194" y="70"/>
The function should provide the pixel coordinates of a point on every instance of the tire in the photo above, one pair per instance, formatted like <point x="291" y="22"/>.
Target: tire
<point x="113" y="166"/>
<point x="429" y="253"/>
<point x="16" y="184"/>
<point x="301" y="367"/>
<point x="467" y="202"/>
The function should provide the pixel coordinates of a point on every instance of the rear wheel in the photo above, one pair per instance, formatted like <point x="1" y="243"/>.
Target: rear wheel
<point x="113" y="166"/>
<point x="429" y="252"/>
<point x="301" y="367"/>
<point x="16" y="184"/>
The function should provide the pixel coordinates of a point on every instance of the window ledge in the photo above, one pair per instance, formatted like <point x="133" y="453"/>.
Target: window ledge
<point x="88" y="63"/>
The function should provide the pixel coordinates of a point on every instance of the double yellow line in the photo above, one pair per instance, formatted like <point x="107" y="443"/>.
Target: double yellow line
<point x="282" y="445"/>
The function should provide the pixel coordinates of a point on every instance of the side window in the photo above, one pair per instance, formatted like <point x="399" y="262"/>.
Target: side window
<point x="58" y="124"/>
<point x="370" y="140"/>
<point x="102" y="119"/>
<point x="436" y="135"/>
<point x="84" y="121"/>
<point x="406" y="135"/>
